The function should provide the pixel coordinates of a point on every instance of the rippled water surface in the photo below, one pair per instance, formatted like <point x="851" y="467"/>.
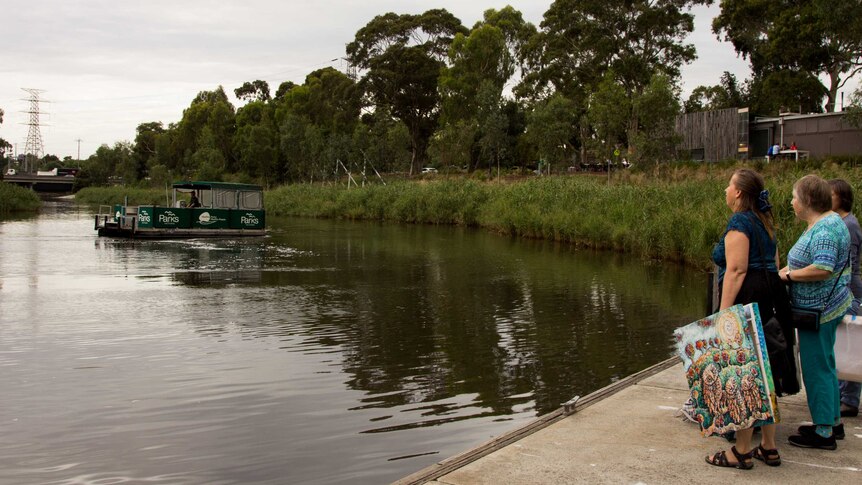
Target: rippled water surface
<point x="327" y="352"/>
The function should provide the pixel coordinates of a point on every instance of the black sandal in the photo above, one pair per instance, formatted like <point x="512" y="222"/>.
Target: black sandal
<point x="770" y="457"/>
<point x="720" y="459"/>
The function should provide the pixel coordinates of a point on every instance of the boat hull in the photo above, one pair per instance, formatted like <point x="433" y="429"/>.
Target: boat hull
<point x="113" y="230"/>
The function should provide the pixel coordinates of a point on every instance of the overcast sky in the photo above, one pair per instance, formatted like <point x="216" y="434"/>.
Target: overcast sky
<point x="108" y="65"/>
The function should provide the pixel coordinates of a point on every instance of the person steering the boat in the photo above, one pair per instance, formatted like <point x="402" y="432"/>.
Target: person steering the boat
<point x="194" y="202"/>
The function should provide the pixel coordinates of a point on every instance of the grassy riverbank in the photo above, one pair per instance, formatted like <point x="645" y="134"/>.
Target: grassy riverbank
<point x="17" y="199"/>
<point x="672" y="212"/>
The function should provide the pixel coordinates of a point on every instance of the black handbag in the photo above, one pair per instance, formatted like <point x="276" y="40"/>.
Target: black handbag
<point x="805" y="318"/>
<point x="774" y="335"/>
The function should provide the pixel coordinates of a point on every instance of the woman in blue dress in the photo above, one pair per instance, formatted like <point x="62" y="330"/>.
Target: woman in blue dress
<point x="817" y="281"/>
<point x="747" y="259"/>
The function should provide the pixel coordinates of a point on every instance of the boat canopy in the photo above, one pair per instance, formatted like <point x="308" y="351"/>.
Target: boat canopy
<point x="216" y="185"/>
<point x="222" y="195"/>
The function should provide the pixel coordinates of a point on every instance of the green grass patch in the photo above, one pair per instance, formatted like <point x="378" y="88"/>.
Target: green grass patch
<point x="17" y="199"/>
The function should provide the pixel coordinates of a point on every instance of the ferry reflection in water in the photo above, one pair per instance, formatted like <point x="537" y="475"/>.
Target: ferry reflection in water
<point x="328" y="352"/>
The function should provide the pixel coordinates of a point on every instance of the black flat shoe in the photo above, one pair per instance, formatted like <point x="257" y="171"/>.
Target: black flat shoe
<point x="837" y="431"/>
<point x="849" y="411"/>
<point x="813" y="440"/>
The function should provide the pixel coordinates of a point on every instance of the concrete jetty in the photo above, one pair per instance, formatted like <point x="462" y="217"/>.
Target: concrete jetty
<point x="631" y="432"/>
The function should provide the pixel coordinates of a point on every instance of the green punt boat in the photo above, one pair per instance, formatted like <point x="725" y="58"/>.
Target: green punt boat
<point x="196" y="210"/>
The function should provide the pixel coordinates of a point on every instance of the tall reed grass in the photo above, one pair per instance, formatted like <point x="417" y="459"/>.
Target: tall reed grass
<point x="668" y="212"/>
<point x="17" y="199"/>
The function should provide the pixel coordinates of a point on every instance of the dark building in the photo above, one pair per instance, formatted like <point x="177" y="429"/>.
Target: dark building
<point x="820" y="134"/>
<point x="728" y="133"/>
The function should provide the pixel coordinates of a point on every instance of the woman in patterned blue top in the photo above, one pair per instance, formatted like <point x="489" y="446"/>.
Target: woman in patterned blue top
<point x="813" y="265"/>
<point x="747" y="262"/>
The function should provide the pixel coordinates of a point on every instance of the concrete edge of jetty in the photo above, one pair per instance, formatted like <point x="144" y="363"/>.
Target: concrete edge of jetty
<point x="631" y="431"/>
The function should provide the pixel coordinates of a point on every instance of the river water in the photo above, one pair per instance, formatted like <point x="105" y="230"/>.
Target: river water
<point x="327" y="352"/>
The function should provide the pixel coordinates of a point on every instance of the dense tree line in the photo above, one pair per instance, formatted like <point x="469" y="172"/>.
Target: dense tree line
<point x="593" y="80"/>
<point x="791" y="45"/>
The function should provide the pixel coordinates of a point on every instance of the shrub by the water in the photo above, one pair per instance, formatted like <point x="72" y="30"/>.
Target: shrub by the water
<point x="119" y="195"/>
<point x="17" y="199"/>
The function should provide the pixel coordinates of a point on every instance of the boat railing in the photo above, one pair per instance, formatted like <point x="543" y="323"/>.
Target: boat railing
<point x="125" y="218"/>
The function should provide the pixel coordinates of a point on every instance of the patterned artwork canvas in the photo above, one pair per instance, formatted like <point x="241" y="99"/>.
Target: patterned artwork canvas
<point x="727" y="367"/>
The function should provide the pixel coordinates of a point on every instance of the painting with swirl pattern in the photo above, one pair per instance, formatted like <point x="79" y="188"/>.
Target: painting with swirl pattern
<point x="728" y="370"/>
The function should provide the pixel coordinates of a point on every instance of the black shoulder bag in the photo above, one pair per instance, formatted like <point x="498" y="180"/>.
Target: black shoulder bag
<point x="772" y="332"/>
<point x="809" y="318"/>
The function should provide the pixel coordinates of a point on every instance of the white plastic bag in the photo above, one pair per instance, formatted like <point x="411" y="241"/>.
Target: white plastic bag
<point x="848" y="349"/>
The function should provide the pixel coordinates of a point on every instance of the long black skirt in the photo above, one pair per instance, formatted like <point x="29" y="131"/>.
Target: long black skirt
<point x="772" y="299"/>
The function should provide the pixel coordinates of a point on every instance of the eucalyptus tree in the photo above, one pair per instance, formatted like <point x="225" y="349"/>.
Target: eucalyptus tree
<point x="169" y="158"/>
<point x="492" y="124"/>
<point x="516" y="30"/>
<point x="815" y="37"/>
<point x="253" y="91"/>
<point x="255" y="143"/>
<point x="382" y="141"/>
<point x="144" y="148"/>
<point x="481" y="64"/>
<point x="207" y="159"/>
<point x="316" y="122"/>
<point x="107" y="162"/>
<point x="283" y="88"/>
<point x="581" y="40"/>
<point x="608" y="111"/>
<point x="402" y="56"/>
<point x="726" y="94"/>
<point x="454" y="143"/>
<point x="479" y="61"/>
<point x="774" y="90"/>
<point x="658" y="105"/>
<point x="212" y="110"/>
<point x="550" y="126"/>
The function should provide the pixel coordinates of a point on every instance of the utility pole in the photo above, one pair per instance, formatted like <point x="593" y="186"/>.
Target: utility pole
<point x="79" y="149"/>
<point x="34" y="148"/>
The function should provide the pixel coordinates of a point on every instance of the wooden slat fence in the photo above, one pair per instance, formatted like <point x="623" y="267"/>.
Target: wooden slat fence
<point x="714" y="132"/>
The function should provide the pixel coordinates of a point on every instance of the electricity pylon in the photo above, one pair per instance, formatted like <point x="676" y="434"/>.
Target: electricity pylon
<point x="34" y="149"/>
